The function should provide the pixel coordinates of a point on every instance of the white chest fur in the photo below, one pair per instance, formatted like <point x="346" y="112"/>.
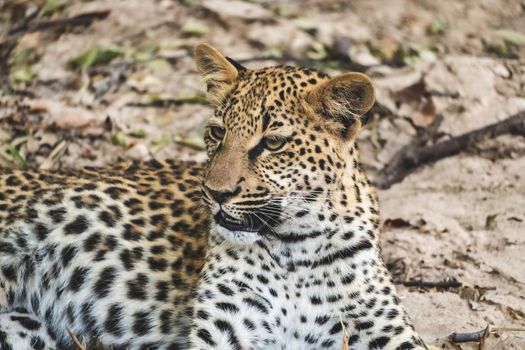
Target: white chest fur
<point x="305" y="306"/>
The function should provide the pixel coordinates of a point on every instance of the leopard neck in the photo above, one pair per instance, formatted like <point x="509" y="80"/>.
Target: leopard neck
<point x="337" y="225"/>
<point x="314" y="243"/>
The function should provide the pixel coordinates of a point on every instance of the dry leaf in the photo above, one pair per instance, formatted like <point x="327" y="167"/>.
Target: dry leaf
<point x="433" y="347"/>
<point x="37" y="106"/>
<point x="412" y="93"/>
<point x="424" y="116"/>
<point x="421" y="107"/>
<point x="395" y="223"/>
<point x="490" y="222"/>
<point x="73" y="118"/>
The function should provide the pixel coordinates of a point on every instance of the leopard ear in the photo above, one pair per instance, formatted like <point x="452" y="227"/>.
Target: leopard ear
<point x="217" y="71"/>
<point x="343" y="100"/>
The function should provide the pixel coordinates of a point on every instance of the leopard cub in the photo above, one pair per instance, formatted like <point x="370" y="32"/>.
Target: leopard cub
<point x="293" y="261"/>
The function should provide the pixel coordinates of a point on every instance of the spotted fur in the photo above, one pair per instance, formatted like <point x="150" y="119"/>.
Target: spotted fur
<point x="272" y="245"/>
<point x="20" y="330"/>
<point x="110" y="254"/>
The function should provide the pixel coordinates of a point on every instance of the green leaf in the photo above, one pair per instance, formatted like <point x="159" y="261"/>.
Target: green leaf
<point x="140" y="133"/>
<point x="146" y="53"/>
<point x="191" y="2"/>
<point x="158" y="144"/>
<point x="317" y="51"/>
<point x="194" y="28"/>
<point x="51" y="6"/>
<point x="158" y="64"/>
<point x="195" y="100"/>
<point x="194" y="138"/>
<point x="272" y="51"/>
<point x="119" y="139"/>
<point x="160" y="99"/>
<point x="19" y="160"/>
<point x="437" y="27"/>
<point x="21" y="75"/>
<point x="142" y="56"/>
<point x="96" y="56"/>
<point x="193" y="141"/>
<point x="23" y="56"/>
<point x="413" y="53"/>
<point x="499" y="49"/>
<point x="511" y="37"/>
<point x="306" y="25"/>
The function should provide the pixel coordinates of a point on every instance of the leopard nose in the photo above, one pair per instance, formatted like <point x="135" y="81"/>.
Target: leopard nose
<point x="221" y="195"/>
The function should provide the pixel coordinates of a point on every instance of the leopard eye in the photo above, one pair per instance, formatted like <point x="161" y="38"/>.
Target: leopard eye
<point x="274" y="144"/>
<point x="217" y="132"/>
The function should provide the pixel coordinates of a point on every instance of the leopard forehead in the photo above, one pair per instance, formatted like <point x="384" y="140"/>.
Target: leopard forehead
<point x="261" y="97"/>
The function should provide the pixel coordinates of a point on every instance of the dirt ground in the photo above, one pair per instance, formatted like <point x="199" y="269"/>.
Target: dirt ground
<point x="125" y="87"/>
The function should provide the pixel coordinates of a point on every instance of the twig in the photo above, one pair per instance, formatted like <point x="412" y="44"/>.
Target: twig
<point x="507" y="329"/>
<point x="169" y="102"/>
<point x="84" y="19"/>
<point x="342" y="64"/>
<point x="9" y="42"/>
<point x="75" y="340"/>
<point x="48" y="162"/>
<point x="469" y="337"/>
<point x="346" y="337"/>
<point x="486" y="333"/>
<point x="427" y="284"/>
<point x="416" y="154"/>
<point x="480" y="336"/>
<point x="466" y="337"/>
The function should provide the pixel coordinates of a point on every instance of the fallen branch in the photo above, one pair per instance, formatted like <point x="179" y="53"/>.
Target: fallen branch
<point x="426" y="284"/>
<point x="469" y="337"/>
<point x="416" y="154"/>
<point x="169" y="102"/>
<point x="301" y="61"/>
<point x="84" y="19"/>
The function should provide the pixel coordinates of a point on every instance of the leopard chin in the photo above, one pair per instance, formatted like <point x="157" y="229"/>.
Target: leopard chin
<point x="238" y="237"/>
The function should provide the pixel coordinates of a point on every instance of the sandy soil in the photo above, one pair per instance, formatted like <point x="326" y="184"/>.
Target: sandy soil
<point x="462" y="218"/>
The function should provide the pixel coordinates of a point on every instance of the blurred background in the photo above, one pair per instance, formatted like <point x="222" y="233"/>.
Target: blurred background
<point x="103" y="81"/>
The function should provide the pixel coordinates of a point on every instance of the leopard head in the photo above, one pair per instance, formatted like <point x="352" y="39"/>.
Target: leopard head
<point x="281" y="143"/>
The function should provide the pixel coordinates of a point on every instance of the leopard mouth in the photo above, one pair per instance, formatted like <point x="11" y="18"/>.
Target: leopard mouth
<point x="253" y="222"/>
<point x="232" y="224"/>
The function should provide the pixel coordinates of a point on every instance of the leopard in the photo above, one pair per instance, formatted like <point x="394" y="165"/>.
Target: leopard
<point x="294" y="260"/>
<point x="273" y="243"/>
